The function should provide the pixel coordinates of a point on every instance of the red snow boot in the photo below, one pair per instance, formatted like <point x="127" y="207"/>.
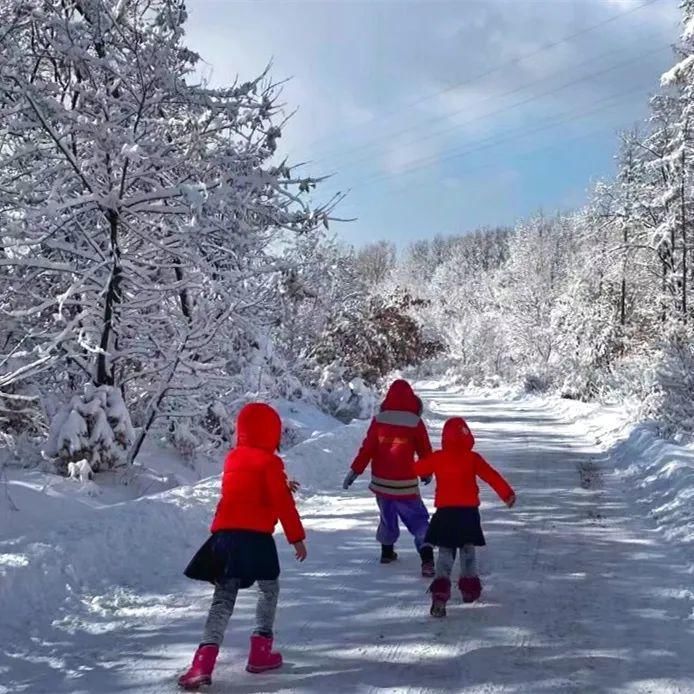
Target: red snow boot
<point x="261" y="656"/>
<point x="200" y="672"/>
<point x="470" y="588"/>
<point x="440" y="590"/>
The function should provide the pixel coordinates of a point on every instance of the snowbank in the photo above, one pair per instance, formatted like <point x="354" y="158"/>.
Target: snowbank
<point x="663" y="477"/>
<point x="303" y="421"/>
<point x="658" y="475"/>
<point x="321" y="463"/>
<point x="49" y="571"/>
<point x="56" y="554"/>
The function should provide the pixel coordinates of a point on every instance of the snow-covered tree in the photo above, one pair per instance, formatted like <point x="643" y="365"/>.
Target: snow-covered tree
<point x="95" y="426"/>
<point x="373" y="338"/>
<point x="375" y="262"/>
<point x="594" y="303"/>
<point x="142" y="214"/>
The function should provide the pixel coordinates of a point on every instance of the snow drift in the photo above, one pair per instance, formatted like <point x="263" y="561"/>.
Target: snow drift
<point x="56" y="554"/>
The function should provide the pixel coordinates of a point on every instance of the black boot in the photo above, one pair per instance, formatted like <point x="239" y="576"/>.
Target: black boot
<point x="388" y="554"/>
<point x="427" y="553"/>
<point x="427" y="556"/>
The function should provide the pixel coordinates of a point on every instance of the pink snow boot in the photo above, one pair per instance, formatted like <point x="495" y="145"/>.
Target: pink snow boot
<point x="440" y="590"/>
<point x="200" y="672"/>
<point x="470" y="588"/>
<point x="261" y="656"/>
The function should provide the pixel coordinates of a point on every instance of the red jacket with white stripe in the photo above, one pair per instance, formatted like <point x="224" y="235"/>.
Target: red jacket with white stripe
<point x="396" y="436"/>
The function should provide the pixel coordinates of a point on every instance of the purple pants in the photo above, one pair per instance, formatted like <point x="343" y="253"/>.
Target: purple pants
<point x="412" y="512"/>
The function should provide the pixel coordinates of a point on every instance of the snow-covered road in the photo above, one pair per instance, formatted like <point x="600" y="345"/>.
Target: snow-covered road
<point x="580" y="594"/>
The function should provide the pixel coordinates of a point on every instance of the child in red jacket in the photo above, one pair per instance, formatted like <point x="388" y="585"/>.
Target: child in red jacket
<point x="397" y="435"/>
<point x="255" y="495"/>
<point x="456" y="524"/>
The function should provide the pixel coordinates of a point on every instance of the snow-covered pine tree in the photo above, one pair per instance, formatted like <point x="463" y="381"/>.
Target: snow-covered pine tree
<point x="676" y="159"/>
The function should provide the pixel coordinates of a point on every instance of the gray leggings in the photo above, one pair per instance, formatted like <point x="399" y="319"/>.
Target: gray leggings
<point x="446" y="559"/>
<point x="222" y="608"/>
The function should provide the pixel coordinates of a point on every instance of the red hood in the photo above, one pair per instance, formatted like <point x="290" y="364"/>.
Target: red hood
<point x="400" y="396"/>
<point x="457" y="435"/>
<point x="259" y="426"/>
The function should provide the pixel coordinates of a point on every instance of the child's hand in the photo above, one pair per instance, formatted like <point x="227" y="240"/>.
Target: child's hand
<point x="293" y="486"/>
<point x="511" y="500"/>
<point x="349" y="480"/>
<point x="300" y="550"/>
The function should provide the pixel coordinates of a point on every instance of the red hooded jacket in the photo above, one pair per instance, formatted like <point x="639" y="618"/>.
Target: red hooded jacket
<point x="457" y="468"/>
<point x="396" y="435"/>
<point x="255" y="491"/>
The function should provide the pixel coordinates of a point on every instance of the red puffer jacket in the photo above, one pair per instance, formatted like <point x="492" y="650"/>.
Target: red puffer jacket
<point x="396" y="435"/>
<point x="457" y="468"/>
<point x="255" y="491"/>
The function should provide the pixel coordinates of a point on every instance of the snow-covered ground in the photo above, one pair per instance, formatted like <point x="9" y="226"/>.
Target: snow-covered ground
<point x="585" y="591"/>
<point x="657" y="474"/>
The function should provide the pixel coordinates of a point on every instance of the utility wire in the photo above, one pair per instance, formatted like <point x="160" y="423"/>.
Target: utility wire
<point x="549" y="92"/>
<point x="495" y="140"/>
<point x="397" y="110"/>
<point x="524" y="155"/>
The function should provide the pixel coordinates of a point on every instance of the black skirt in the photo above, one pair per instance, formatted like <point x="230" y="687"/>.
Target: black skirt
<point x="242" y="554"/>
<point x="456" y="526"/>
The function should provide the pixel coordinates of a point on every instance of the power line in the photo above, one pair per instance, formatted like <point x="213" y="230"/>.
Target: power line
<point x="494" y="141"/>
<point x="524" y="155"/>
<point x="528" y="153"/>
<point x="509" y="136"/>
<point x="504" y="109"/>
<point x="509" y="63"/>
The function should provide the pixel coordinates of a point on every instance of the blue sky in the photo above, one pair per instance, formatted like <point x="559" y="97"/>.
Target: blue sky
<point x="440" y="116"/>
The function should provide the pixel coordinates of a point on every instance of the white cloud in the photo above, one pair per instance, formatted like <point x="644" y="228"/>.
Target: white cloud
<point x="404" y="51"/>
<point x="359" y="70"/>
<point x="403" y="155"/>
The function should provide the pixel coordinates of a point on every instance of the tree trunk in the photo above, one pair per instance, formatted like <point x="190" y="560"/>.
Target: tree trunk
<point x="683" y="227"/>
<point x="184" y="296"/>
<point x="154" y="406"/>
<point x="663" y="287"/>
<point x="623" y="298"/>
<point x="112" y="301"/>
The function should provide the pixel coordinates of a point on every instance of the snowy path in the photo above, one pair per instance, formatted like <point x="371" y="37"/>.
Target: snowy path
<point x="580" y="596"/>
